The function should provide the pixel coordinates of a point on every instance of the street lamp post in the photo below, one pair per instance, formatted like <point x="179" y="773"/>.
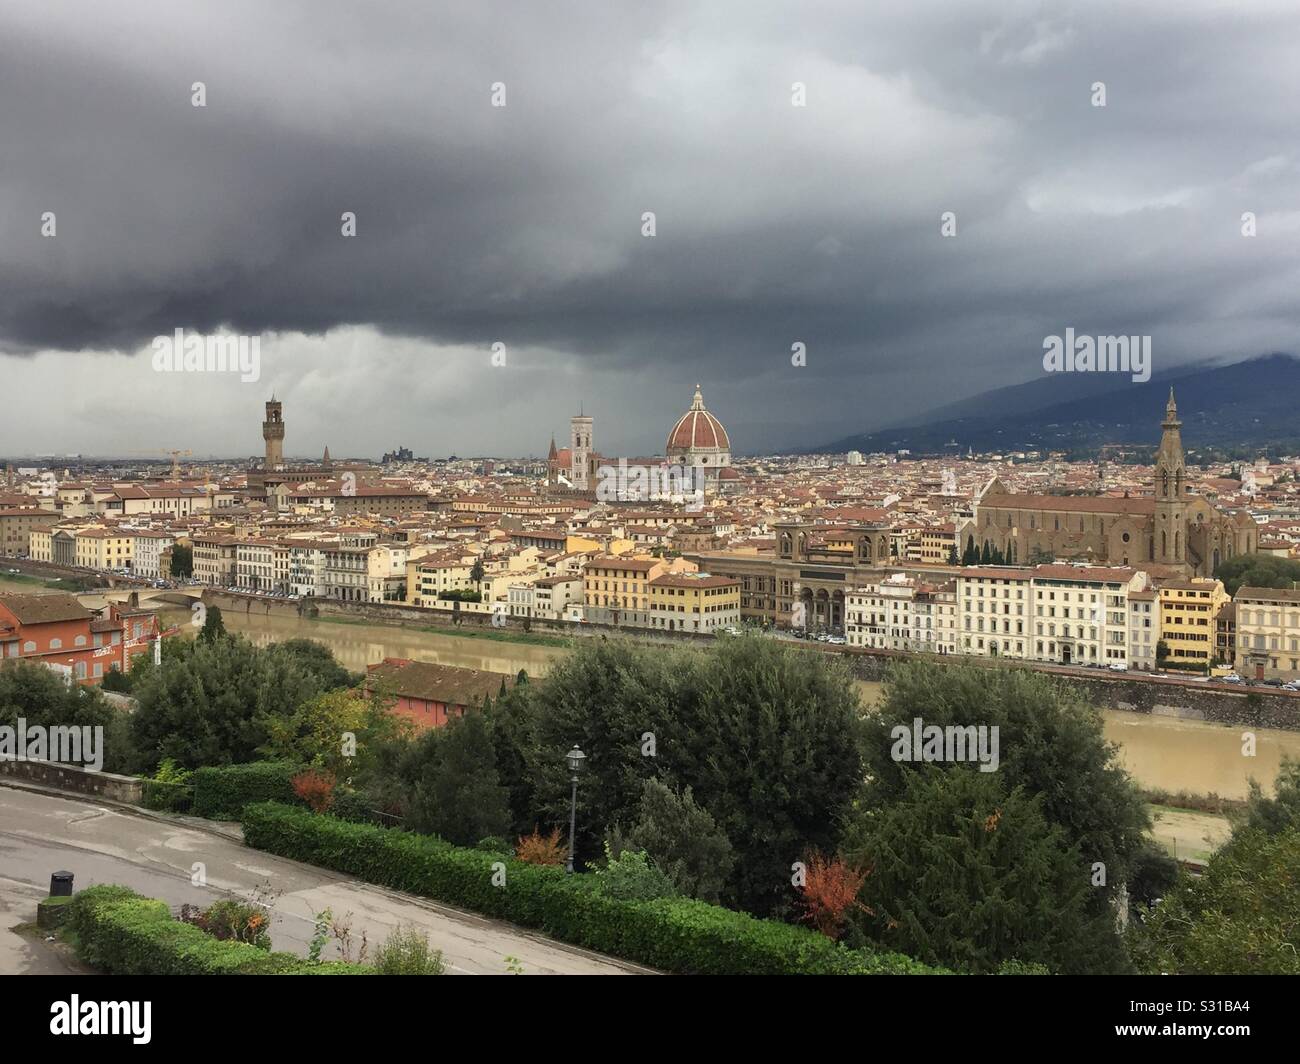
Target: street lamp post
<point x="574" y="758"/>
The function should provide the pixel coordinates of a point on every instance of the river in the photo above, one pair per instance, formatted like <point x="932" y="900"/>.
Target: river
<point x="1161" y="753"/>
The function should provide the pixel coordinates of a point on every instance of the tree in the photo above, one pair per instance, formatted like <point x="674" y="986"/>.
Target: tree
<point x="182" y="564"/>
<point x="477" y="572"/>
<point x="317" y="660"/>
<point x="41" y="697"/>
<point x="952" y="555"/>
<point x="459" y="797"/>
<point x="970" y="875"/>
<point x="1280" y="813"/>
<point x="986" y="555"/>
<point x="214" y="627"/>
<point x="1050" y="742"/>
<point x="1241" y="917"/>
<point x="1257" y="570"/>
<point x="1162" y="652"/>
<point x="209" y="701"/>
<point x="765" y="734"/>
<point x="313" y="732"/>
<point x="682" y="839"/>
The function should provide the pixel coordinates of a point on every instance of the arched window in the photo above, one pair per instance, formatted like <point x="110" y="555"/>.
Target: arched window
<point x="56" y="644"/>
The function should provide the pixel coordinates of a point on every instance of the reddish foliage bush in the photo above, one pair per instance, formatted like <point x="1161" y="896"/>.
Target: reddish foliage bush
<point x="316" y="788"/>
<point x="541" y="849"/>
<point x="830" y="890"/>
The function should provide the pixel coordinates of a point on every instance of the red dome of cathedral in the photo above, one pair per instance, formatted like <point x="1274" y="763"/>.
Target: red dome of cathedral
<point x="697" y="430"/>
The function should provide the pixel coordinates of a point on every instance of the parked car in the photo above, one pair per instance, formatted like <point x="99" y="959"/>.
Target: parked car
<point x="1118" y="666"/>
<point x="838" y="640"/>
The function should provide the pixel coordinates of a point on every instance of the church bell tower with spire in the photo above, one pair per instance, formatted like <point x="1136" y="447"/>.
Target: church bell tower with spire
<point x="1171" y="492"/>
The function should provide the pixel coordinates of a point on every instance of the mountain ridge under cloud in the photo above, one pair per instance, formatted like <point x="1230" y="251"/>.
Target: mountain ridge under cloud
<point x="1250" y="403"/>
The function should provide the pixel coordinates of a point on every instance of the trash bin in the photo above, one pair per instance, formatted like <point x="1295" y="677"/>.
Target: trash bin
<point x="61" y="885"/>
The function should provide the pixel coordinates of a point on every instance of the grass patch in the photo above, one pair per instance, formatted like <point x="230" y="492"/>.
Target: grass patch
<point x="1186" y="802"/>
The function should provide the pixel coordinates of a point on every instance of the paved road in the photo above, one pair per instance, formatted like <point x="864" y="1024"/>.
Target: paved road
<point x="40" y="834"/>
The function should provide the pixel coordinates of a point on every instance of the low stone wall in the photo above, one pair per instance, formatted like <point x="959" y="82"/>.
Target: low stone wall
<point x="74" y="778"/>
<point x="1159" y="696"/>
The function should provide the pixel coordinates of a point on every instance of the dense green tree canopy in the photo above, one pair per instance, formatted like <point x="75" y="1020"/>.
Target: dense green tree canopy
<point x="1241" y="917"/>
<point x="767" y="736"/>
<point x="1257" y="570"/>
<point x="1050" y="743"/>
<point x="209" y="701"/>
<point x="682" y="839"/>
<point x="969" y="875"/>
<point x="42" y="698"/>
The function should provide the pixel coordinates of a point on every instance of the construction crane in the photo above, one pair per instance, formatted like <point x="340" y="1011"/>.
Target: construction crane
<point x="176" y="456"/>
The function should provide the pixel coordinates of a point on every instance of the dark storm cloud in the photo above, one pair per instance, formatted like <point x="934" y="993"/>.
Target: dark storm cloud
<point x="776" y="224"/>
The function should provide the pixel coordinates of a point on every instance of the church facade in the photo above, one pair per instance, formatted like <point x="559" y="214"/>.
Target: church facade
<point x="1171" y="528"/>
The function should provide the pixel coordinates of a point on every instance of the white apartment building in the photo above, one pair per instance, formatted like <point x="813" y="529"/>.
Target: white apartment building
<point x="255" y="568"/>
<point x="1082" y="614"/>
<point x="1143" y="628"/>
<point x="521" y="600"/>
<point x="901" y="613"/>
<point x="557" y="597"/>
<point x="386" y="571"/>
<point x="345" y="567"/>
<point x="306" y="564"/>
<point x="149" y="547"/>
<point x="993" y="608"/>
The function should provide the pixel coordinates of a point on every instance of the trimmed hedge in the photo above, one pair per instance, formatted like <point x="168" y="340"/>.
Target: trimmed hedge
<point x="676" y="935"/>
<point x="122" y="933"/>
<point x="221" y="793"/>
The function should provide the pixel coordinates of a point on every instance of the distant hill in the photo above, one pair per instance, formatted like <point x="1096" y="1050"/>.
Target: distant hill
<point x="1236" y="409"/>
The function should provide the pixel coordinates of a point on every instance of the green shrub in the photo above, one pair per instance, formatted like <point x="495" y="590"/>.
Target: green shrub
<point x="631" y="876"/>
<point x="354" y="805"/>
<point x="221" y="793"/>
<point x="673" y="934"/>
<point x="121" y="933"/>
<point x="407" y="952"/>
<point x="167" y="797"/>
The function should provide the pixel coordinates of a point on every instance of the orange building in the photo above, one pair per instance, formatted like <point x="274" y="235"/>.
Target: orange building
<point x="58" y="631"/>
<point x="428" y="694"/>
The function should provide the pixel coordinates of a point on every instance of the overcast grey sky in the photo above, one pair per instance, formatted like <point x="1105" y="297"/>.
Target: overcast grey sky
<point x="522" y="224"/>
